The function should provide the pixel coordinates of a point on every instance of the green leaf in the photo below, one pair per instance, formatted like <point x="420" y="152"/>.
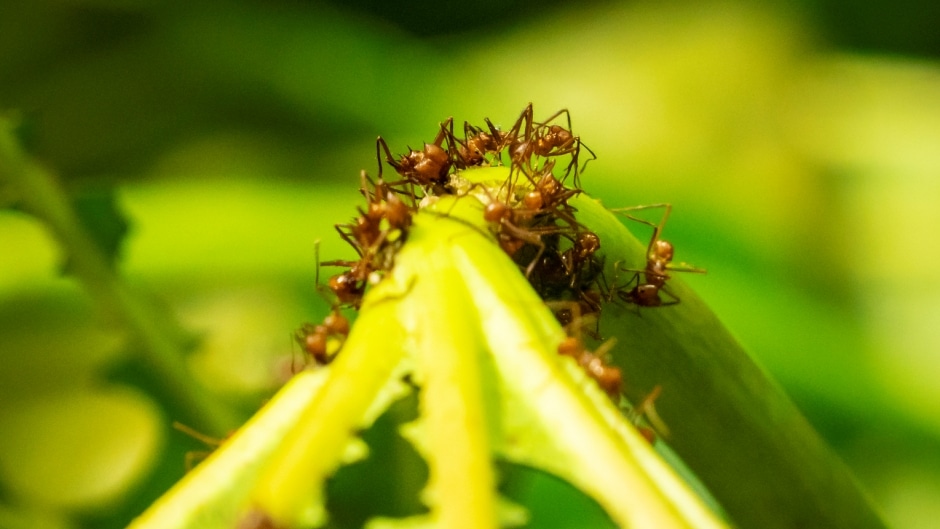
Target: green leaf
<point x="729" y="421"/>
<point x="456" y="315"/>
<point x="213" y="493"/>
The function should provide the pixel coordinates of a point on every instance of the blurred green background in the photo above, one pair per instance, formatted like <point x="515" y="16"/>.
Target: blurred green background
<point x="798" y="143"/>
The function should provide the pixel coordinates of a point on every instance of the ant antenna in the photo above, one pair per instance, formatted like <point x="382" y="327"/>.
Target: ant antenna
<point x="316" y="254"/>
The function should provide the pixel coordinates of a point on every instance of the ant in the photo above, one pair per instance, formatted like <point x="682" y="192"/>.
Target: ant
<point x="659" y="255"/>
<point x="518" y="227"/>
<point x="571" y="273"/>
<point x="375" y="234"/>
<point x="428" y="167"/>
<point x="609" y="378"/>
<point x="581" y="256"/>
<point x="322" y="342"/>
<point x="544" y="140"/>
<point x="549" y="196"/>
<point x="477" y="143"/>
<point x="316" y="339"/>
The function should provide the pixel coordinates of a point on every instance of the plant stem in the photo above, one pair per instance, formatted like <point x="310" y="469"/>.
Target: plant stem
<point x="40" y="194"/>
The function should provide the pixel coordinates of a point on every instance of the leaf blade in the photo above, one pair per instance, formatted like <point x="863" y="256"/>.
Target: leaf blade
<point x="730" y="421"/>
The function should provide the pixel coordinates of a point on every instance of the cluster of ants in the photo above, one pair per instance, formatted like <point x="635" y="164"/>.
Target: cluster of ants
<point x="530" y="216"/>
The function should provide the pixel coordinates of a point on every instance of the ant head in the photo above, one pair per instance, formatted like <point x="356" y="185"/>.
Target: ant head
<point x="663" y="250"/>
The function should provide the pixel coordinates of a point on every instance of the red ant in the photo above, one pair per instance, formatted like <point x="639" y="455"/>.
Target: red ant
<point x="544" y="140"/>
<point x="316" y="339"/>
<point x="581" y="254"/>
<point x="549" y="196"/>
<point x="375" y="234"/>
<point x="427" y="167"/>
<point x="607" y="377"/>
<point x="476" y="145"/>
<point x="659" y="255"/>
<point x="323" y="341"/>
<point x="518" y="227"/>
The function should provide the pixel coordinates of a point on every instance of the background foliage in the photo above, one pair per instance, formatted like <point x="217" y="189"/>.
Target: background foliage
<point x="798" y="146"/>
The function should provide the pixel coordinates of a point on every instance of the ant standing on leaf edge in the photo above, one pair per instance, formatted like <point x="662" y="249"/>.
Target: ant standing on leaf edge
<point x="645" y="286"/>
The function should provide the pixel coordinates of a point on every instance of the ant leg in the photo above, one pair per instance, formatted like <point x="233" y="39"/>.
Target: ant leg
<point x="378" y="157"/>
<point x="647" y="408"/>
<point x="628" y="292"/>
<point x="442" y="133"/>
<point x="657" y="228"/>
<point x="502" y="140"/>
<point x="316" y="257"/>
<point x="525" y="117"/>
<point x="366" y="183"/>
<point x="199" y="436"/>
<point x="530" y="177"/>
<point x="674" y="301"/>
<point x="535" y="260"/>
<point x="555" y="116"/>
<point x="348" y="238"/>
<point x="593" y="157"/>
<point x="662" y="222"/>
<point x="528" y="237"/>
<point x="453" y="143"/>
